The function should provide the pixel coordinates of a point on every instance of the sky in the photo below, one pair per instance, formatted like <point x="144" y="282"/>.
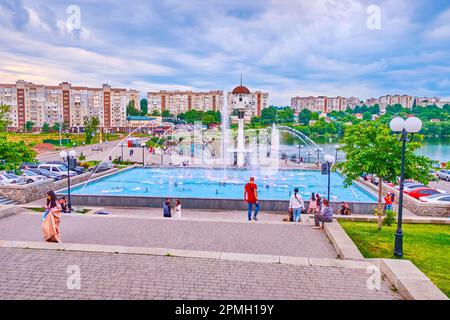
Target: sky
<point x="285" y="47"/>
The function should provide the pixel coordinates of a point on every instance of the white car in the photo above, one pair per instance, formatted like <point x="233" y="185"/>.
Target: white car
<point x="437" y="199"/>
<point x="31" y="176"/>
<point x="9" y="178"/>
<point x="58" y="169"/>
<point x="444" y="174"/>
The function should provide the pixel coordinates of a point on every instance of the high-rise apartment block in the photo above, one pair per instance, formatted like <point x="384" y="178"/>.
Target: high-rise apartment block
<point x="323" y="104"/>
<point x="66" y="103"/>
<point x="177" y="102"/>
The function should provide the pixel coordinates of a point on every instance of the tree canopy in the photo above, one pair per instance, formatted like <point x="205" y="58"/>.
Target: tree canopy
<point x="90" y="127"/>
<point x="13" y="154"/>
<point x="371" y="149"/>
<point x="4" y="119"/>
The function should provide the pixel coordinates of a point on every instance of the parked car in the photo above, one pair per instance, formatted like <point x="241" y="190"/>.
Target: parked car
<point x="444" y="174"/>
<point x="28" y="165"/>
<point x="102" y="167"/>
<point x="422" y="192"/>
<point x="293" y="157"/>
<point x="31" y="176"/>
<point x="46" y="173"/>
<point x="437" y="199"/>
<point x="283" y="156"/>
<point x="58" y="169"/>
<point x="77" y="169"/>
<point x="9" y="178"/>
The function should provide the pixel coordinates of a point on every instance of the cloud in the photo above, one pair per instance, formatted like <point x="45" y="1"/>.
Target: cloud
<point x="288" y="48"/>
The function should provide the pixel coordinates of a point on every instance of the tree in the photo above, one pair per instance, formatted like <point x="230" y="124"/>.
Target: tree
<point x="29" y="126"/>
<point x="45" y="127"/>
<point x="90" y="127"/>
<point x="367" y="116"/>
<point x="13" y="154"/>
<point x="304" y="116"/>
<point x="155" y="113"/>
<point x="4" y="117"/>
<point x="166" y="114"/>
<point x="371" y="149"/>
<point x="144" y="106"/>
<point x="131" y="109"/>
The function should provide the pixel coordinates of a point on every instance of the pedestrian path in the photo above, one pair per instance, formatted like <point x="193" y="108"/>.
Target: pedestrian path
<point x="51" y="274"/>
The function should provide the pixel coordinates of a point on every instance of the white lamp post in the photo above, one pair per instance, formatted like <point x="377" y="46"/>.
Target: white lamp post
<point x="330" y="160"/>
<point x="398" y="125"/>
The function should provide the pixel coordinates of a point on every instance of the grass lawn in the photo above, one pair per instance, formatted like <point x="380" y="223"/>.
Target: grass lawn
<point x="426" y="245"/>
<point x="31" y="139"/>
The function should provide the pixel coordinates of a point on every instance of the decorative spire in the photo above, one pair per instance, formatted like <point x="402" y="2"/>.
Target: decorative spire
<point x="241" y="79"/>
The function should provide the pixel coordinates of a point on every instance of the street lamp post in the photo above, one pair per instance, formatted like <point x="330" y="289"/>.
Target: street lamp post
<point x="67" y="157"/>
<point x="300" y="147"/>
<point x="121" y="158"/>
<point x="309" y="156"/>
<point x="330" y="160"/>
<point x="143" y="154"/>
<point x="398" y="125"/>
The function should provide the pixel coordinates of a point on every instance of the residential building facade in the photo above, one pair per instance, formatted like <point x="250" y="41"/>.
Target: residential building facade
<point x="323" y="104"/>
<point x="177" y="102"/>
<point x="66" y="103"/>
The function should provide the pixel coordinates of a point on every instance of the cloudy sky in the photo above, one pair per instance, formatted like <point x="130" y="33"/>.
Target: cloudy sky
<point x="286" y="47"/>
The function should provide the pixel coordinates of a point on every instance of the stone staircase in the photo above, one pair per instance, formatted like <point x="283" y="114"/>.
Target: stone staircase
<point x="6" y="201"/>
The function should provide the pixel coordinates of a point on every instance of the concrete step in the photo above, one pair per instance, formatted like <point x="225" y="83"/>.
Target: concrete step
<point x="7" y="201"/>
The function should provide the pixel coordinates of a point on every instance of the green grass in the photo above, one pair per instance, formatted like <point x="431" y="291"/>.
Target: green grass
<point x="426" y="245"/>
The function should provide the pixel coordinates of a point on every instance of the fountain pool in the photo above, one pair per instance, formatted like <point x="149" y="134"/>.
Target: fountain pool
<point x="208" y="183"/>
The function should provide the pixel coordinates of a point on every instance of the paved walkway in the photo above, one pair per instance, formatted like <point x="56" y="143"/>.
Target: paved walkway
<point x="43" y="274"/>
<point x="241" y="237"/>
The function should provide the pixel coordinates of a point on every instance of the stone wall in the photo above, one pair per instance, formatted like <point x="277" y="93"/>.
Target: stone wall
<point x="279" y="206"/>
<point x="415" y="206"/>
<point x="34" y="191"/>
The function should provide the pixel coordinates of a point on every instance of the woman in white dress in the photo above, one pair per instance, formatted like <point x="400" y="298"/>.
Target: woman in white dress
<point x="178" y="209"/>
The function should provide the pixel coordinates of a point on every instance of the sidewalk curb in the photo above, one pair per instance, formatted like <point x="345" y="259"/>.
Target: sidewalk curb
<point x="344" y="246"/>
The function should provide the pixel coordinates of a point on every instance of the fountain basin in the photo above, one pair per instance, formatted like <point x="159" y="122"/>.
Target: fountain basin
<point x="208" y="188"/>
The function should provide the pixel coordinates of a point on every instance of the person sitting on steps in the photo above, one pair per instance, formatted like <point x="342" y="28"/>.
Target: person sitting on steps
<point x="326" y="215"/>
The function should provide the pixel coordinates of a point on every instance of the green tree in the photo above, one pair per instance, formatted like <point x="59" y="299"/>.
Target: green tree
<point x="304" y="116"/>
<point x="367" y="116"/>
<point x="13" y="154"/>
<point x="144" y="106"/>
<point x="371" y="149"/>
<point x="166" y="114"/>
<point x="131" y="109"/>
<point x="155" y="113"/>
<point x="29" y="126"/>
<point x="4" y="117"/>
<point x="90" y="127"/>
<point x="45" y="127"/>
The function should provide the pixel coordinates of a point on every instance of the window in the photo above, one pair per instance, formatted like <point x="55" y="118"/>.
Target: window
<point x="447" y="199"/>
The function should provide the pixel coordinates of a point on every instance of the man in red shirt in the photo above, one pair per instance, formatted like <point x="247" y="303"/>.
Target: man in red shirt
<point x="251" y="196"/>
<point x="388" y="200"/>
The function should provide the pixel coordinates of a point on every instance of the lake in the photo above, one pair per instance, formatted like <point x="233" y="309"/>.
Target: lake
<point x="434" y="148"/>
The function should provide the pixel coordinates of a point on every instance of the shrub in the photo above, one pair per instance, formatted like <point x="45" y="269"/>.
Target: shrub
<point x="82" y="157"/>
<point x="389" y="218"/>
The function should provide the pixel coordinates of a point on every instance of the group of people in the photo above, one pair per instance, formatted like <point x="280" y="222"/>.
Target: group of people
<point x="167" y="210"/>
<point x="319" y="207"/>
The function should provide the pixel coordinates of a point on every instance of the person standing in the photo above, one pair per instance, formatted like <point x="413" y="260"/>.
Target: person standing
<point x="251" y="196"/>
<point x="388" y="201"/>
<point x="312" y="204"/>
<point x="319" y="202"/>
<point x="178" y="209"/>
<point x="50" y="225"/>
<point x="326" y="215"/>
<point x="166" y="209"/>
<point x="296" y="205"/>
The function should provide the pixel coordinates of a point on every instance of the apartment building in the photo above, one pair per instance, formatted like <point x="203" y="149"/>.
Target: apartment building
<point x="177" y="102"/>
<point x="66" y="103"/>
<point x="323" y="104"/>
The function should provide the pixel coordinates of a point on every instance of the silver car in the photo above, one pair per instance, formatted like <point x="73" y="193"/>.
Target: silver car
<point x="444" y="174"/>
<point x="9" y="178"/>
